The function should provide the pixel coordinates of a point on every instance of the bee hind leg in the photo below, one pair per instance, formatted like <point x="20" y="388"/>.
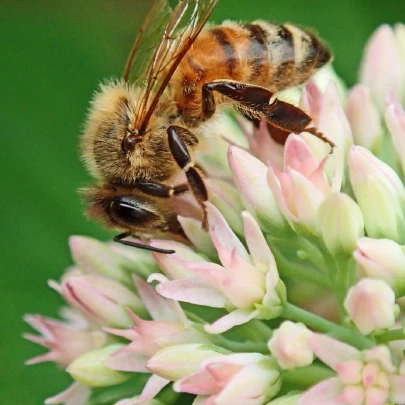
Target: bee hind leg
<point x="183" y="158"/>
<point x="257" y="102"/>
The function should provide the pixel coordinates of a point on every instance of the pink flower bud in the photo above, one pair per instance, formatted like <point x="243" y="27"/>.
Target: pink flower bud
<point x="289" y="345"/>
<point x="302" y="186"/>
<point x="371" y="257"/>
<point x="382" y="67"/>
<point x="379" y="193"/>
<point x="250" y="175"/>
<point x="100" y="299"/>
<point x="65" y="341"/>
<point x="90" y="368"/>
<point x="364" y="118"/>
<point x="76" y="394"/>
<point x="92" y="256"/>
<point x="395" y="120"/>
<point x="371" y="305"/>
<point x="332" y="120"/>
<point x="221" y="378"/>
<point x="169" y="264"/>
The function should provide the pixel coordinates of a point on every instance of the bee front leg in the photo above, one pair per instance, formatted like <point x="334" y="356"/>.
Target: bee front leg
<point x="161" y="190"/>
<point x="256" y="102"/>
<point x="182" y="156"/>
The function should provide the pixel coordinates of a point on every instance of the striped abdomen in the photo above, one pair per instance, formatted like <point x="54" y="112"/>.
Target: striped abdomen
<point x="264" y="54"/>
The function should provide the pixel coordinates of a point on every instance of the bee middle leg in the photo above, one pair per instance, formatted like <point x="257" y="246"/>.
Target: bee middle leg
<point x="182" y="156"/>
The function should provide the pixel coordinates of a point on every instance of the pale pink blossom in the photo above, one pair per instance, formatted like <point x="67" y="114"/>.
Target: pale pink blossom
<point x="250" y="177"/>
<point x="363" y="378"/>
<point x="100" y="299"/>
<point x="371" y="257"/>
<point x="395" y="120"/>
<point x="261" y="144"/>
<point x="371" y="306"/>
<point x="364" y="118"/>
<point x="65" y="340"/>
<point x="254" y="273"/>
<point x="169" y="326"/>
<point x="289" y="345"/>
<point x="332" y="120"/>
<point x="382" y="66"/>
<point x="379" y="193"/>
<point x="76" y="394"/>
<point x="235" y="379"/>
<point x="302" y="186"/>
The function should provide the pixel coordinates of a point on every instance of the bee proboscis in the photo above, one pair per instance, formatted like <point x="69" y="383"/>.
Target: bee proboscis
<point x="144" y="128"/>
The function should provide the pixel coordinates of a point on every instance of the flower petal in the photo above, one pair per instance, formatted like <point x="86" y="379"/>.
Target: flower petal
<point x="194" y="291"/>
<point x="327" y="392"/>
<point x="155" y="304"/>
<point x="154" y="385"/>
<point x="76" y="394"/>
<point x="257" y="244"/>
<point x="331" y="351"/>
<point x="237" y="317"/>
<point x="199" y="383"/>
<point x="222" y="235"/>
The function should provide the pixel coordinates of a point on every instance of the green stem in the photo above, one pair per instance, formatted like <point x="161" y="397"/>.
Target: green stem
<point x="241" y="347"/>
<point x="297" y="271"/>
<point x="395" y="334"/>
<point x="313" y="321"/>
<point x="304" y="377"/>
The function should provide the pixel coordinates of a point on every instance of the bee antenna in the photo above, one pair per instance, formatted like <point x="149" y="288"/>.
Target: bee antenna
<point x="120" y="239"/>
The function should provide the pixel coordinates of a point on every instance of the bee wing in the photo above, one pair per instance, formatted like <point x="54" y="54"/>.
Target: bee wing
<point x="150" y="34"/>
<point x="177" y="31"/>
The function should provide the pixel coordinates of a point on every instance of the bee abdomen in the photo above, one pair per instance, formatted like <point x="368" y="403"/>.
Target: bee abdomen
<point x="293" y="54"/>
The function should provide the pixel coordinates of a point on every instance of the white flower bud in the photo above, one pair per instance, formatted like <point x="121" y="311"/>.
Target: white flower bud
<point x="341" y="223"/>
<point x="289" y="345"/>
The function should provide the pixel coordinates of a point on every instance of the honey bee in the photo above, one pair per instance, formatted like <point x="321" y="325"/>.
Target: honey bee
<point x="144" y="128"/>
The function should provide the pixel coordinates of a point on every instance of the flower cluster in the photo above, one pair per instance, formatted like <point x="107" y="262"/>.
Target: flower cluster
<point x="294" y="296"/>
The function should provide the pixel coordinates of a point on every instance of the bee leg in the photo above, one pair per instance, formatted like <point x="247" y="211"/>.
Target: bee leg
<point x="183" y="159"/>
<point x="161" y="190"/>
<point x="255" y="101"/>
<point x="121" y="239"/>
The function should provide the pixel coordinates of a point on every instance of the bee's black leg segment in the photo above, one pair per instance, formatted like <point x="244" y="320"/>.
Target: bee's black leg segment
<point x="255" y="102"/>
<point x="120" y="239"/>
<point x="253" y="97"/>
<point x="208" y="102"/>
<point x="161" y="190"/>
<point x="183" y="159"/>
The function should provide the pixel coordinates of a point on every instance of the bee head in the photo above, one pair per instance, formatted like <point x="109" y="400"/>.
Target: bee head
<point x="128" y="209"/>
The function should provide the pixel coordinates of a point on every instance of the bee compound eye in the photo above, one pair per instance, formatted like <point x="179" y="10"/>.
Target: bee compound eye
<point x="132" y="214"/>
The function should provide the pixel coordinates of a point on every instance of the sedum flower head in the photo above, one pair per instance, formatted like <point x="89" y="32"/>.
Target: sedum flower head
<point x="303" y="259"/>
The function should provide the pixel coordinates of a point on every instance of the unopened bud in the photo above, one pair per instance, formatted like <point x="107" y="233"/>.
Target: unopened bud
<point x="175" y="362"/>
<point x="90" y="368"/>
<point x="341" y="224"/>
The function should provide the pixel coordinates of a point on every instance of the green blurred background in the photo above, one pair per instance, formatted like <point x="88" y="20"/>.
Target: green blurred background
<point x="53" y="54"/>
